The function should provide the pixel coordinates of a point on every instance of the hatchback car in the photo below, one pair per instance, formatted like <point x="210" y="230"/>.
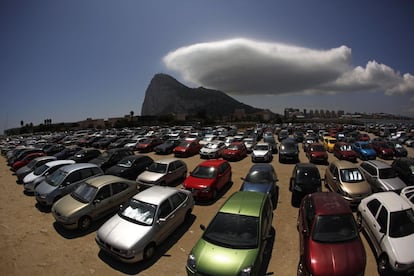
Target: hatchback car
<point x="63" y="181"/>
<point x="26" y="160"/>
<point x="346" y="179"/>
<point x="381" y="176"/>
<point x="329" y="143"/>
<point x="382" y="149"/>
<point x="398" y="148"/>
<point x="187" y="148"/>
<point x="85" y="155"/>
<point x="316" y="153"/>
<point x="262" y="178"/>
<point x="364" y="150"/>
<point x="131" y="166"/>
<point x="212" y="150"/>
<point x="235" y="151"/>
<point x="305" y="180"/>
<point x="110" y="157"/>
<point x="235" y="240"/>
<point x="167" y="147"/>
<point x="148" y="144"/>
<point x="329" y="238"/>
<point x="404" y="167"/>
<point x="262" y="152"/>
<point x="31" y="166"/>
<point x="288" y="151"/>
<point x="388" y="221"/>
<point x="93" y="199"/>
<point x="144" y="223"/>
<point x="344" y="151"/>
<point x="208" y="179"/>
<point x="163" y="172"/>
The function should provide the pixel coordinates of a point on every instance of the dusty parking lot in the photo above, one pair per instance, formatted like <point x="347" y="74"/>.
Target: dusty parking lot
<point x="31" y="244"/>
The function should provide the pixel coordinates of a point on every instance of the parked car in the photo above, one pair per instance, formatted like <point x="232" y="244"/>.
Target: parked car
<point x="110" y="157"/>
<point x="316" y="153"/>
<point x="85" y="155"/>
<point x="364" y="150"/>
<point x="262" y="178"/>
<point x="130" y="166"/>
<point x="344" y="151"/>
<point x="329" y="143"/>
<point x="187" y="148"/>
<point x="288" y="151"/>
<point x="387" y="220"/>
<point x="346" y="179"/>
<point x="163" y="172"/>
<point x="63" y="181"/>
<point x="249" y="142"/>
<point x="212" y="150"/>
<point x="31" y="166"/>
<point x="234" y="242"/>
<point x="408" y="194"/>
<point x="329" y="238"/>
<point x="141" y="225"/>
<point x="398" y="148"/>
<point x="208" y="178"/>
<point x="54" y="148"/>
<point x="270" y="139"/>
<point x="26" y="160"/>
<point x="381" y="176"/>
<point x="234" y="152"/>
<point x="94" y="198"/>
<point x="34" y="178"/>
<point x="404" y="167"/>
<point x="262" y="152"/>
<point x="148" y="144"/>
<point x="305" y="180"/>
<point x="382" y="149"/>
<point x="67" y="152"/>
<point x="167" y="147"/>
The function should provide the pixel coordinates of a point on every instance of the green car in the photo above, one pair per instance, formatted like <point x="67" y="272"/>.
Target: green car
<point x="234" y="241"/>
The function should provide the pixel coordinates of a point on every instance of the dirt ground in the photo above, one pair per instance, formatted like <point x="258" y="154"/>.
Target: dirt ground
<point x="31" y="243"/>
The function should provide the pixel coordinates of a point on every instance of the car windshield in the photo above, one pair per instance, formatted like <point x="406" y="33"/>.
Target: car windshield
<point x="289" y="146"/>
<point x="346" y="148"/>
<point x="259" y="177"/>
<point x="233" y="147"/>
<point x="401" y="223"/>
<point x="158" y="167"/>
<point x="335" y="228"/>
<point x="366" y="146"/>
<point x="56" y="178"/>
<point x="84" y="193"/>
<point x="233" y="231"/>
<point x="261" y="147"/>
<point x="311" y="176"/>
<point x="318" y="148"/>
<point x="211" y="146"/>
<point x="387" y="173"/>
<point x="40" y="170"/>
<point x="138" y="212"/>
<point x="204" y="172"/>
<point x="126" y="163"/>
<point x="352" y="175"/>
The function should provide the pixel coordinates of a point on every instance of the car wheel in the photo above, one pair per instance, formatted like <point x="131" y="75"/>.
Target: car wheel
<point x="300" y="271"/>
<point x="149" y="251"/>
<point x="214" y="194"/>
<point x="188" y="215"/>
<point x="383" y="264"/>
<point x="84" y="222"/>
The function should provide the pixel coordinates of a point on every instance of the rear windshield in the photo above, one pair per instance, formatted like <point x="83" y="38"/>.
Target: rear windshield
<point x="335" y="228"/>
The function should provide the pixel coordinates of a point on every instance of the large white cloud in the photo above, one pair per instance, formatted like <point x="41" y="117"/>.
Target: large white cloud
<point x="242" y="66"/>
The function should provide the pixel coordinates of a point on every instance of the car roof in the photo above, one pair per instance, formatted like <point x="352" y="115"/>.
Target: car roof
<point x="261" y="167"/>
<point x="391" y="200"/>
<point x="329" y="203"/>
<point x="155" y="194"/>
<point x="60" y="162"/>
<point x="378" y="164"/>
<point x="344" y="164"/>
<point x="212" y="163"/>
<point x="244" y="203"/>
<point x="105" y="179"/>
<point x="166" y="160"/>
<point x="78" y="166"/>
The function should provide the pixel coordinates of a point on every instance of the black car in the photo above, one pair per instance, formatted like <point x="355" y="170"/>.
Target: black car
<point x="288" y="151"/>
<point x="55" y="148"/>
<point x="85" y="155"/>
<point x="305" y="180"/>
<point x="398" y="148"/>
<point x="131" y="166"/>
<point x="405" y="169"/>
<point x="67" y="152"/>
<point x="167" y="147"/>
<point x="110" y="157"/>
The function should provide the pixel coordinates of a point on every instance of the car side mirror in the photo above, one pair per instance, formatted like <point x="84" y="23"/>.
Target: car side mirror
<point x="161" y="220"/>
<point x="202" y="227"/>
<point x="96" y="201"/>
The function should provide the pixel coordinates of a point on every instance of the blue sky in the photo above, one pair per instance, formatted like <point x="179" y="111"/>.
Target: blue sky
<point x="72" y="60"/>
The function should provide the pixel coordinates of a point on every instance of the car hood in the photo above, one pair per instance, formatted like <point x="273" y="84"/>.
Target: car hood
<point x="359" y="188"/>
<point x="393" y="183"/>
<point x="255" y="187"/>
<point x="121" y="233"/>
<point x="216" y="260"/>
<point x="195" y="182"/>
<point x="23" y="170"/>
<point x="205" y="150"/>
<point x="260" y="152"/>
<point x="116" y="170"/>
<point x="150" y="176"/>
<point x="67" y="206"/>
<point x="403" y="248"/>
<point x="346" y="258"/>
<point x="347" y="153"/>
<point x="45" y="188"/>
<point x="30" y="177"/>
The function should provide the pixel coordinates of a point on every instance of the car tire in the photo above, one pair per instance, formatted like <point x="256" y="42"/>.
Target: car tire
<point x="149" y="251"/>
<point x="383" y="264"/>
<point x="84" y="222"/>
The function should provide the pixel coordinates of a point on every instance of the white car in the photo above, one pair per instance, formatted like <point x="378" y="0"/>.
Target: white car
<point x="408" y="194"/>
<point x="144" y="222"/>
<point x="212" y="150"/>
<point x="388" y="221"/>
<point x="262" y="152"/>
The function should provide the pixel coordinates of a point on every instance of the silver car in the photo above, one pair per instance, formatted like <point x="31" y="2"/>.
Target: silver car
<point x="262" y="152"/>
<point x="141" y="225"/>
<point x="381" y="176"/>
<point x="212" y="150"/>
<point x="163" y="172"/>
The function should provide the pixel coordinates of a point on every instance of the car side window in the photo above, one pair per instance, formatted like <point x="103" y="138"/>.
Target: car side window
<point x="73" y="177"/>
<point x="165" y="209"/>
<point x="119" y="187"/>
<point x="383" y="219"/>
<point x="373" y="206"/>
<point x="103" y="193"/>
<point x="176" y="200"/>
<point x="86" y="173"/>
<point x="95" y="170"/>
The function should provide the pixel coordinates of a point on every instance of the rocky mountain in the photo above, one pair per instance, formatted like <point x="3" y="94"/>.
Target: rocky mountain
<point x="165" y="95"/>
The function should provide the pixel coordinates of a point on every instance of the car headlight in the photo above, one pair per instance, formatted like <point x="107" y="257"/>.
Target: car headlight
<point x="191" y="261"/>
<point x="246" y="271"/>
<point x="206" y="189"/>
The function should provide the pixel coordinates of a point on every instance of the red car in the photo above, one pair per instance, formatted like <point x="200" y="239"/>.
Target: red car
<point x="208" y="179"/>
<point x="383" y="149"/>
<point x="317" y="153"/>
<point x="344" y="151"/>
<point x="29" y="157"/>
<point x="187" y="149"/>
<point x="235" y="151"/>
<point x="329" y="238"/>
<point x="148" y="144"/>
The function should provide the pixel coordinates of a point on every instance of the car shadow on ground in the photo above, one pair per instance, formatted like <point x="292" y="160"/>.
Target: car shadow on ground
<point x="220" y="195"/>
<point x="267" y="255"/>
<point x="133" y="269"/>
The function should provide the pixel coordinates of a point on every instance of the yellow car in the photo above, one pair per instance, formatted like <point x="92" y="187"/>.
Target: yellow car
<point x="329" y="143"/>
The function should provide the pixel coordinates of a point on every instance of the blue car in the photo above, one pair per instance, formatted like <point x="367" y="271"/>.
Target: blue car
<point x="262" y="178"/>
<point x="364" y="150"/>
